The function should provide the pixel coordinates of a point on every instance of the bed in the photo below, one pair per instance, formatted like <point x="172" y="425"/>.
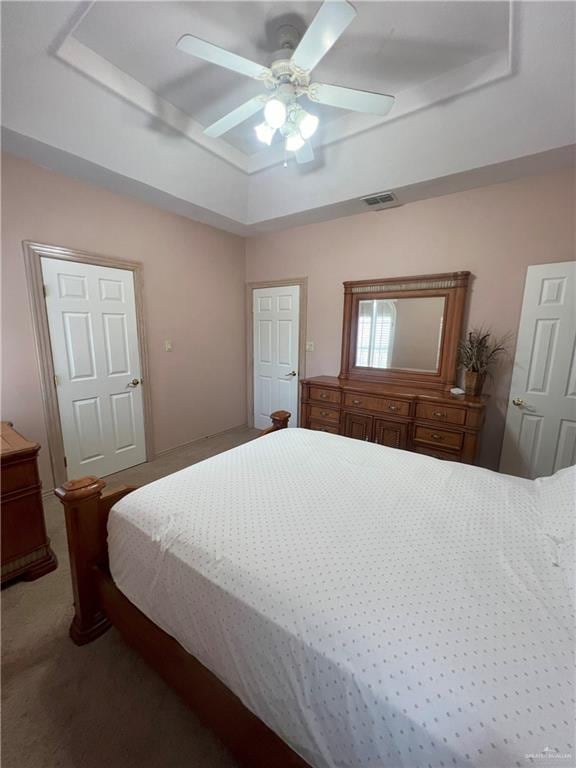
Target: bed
<point x="324" y="602"/>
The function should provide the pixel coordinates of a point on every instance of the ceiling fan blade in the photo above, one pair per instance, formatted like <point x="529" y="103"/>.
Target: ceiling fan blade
<point x="223" y="58"/>
<point x="234" y="118"/>
<point x="327" y="26"/>
<point x="350" y="98"/>
<point x="305" y="154"/>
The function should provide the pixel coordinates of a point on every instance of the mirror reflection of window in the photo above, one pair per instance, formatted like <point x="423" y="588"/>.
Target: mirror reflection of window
<point x="376" y="325"/>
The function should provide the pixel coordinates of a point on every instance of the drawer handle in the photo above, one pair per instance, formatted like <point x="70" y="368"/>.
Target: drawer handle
<point x="440" y="414"/>
<point x="436" y="436"/>
<point x="324" y="413"/>
<point x="323" y="395"/>
<point x="392" y="407"/>
<point x="356" y="402"/>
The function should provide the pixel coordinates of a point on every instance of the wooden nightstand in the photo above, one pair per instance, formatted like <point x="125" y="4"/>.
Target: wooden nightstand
<point x="26" y="549"/>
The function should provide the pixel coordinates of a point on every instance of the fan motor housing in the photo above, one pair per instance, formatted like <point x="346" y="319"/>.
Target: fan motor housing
<point x="288" y="37"/>
<point x="284" y="73"/>
<point x="283" y="70"/>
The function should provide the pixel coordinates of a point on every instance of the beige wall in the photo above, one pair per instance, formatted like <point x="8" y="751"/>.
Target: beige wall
<point x="194" y="295"/>
<point x="194" y="277"/>
<point x="495" y="232"/>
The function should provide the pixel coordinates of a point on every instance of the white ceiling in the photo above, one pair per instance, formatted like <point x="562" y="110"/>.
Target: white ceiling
<point x="99" y="91"/>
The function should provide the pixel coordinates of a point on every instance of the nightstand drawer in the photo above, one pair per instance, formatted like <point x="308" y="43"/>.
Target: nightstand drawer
<point x="325" y="395"/>
<point x="318" y="413"/>
<point x="24" y="474"/>
<point x="319" y="427"/>
<point x="439" y="437"/>
<point x="381" y="404"/>
<point x="445" y="413"/>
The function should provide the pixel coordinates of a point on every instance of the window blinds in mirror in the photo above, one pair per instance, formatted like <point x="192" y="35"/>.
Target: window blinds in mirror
<point x="376" y="321"/>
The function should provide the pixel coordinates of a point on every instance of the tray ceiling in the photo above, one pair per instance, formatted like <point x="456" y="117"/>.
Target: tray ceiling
<point x="391" y="47"/>
<point x="485" y="92"/>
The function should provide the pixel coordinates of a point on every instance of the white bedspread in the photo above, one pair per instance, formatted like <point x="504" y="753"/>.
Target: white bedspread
<point x="376" y="608"/>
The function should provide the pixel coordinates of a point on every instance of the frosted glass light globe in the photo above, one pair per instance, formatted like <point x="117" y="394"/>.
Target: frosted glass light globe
<point x="265" y="133"/>
<point x="307" y="125"/>
<point x="275" y="113"/>
<point x="294" y="142"/>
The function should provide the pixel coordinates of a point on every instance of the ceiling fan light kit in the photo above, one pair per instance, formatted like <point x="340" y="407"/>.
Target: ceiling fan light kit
<point x="294" y="123"/>
<point x="288" y="79"/>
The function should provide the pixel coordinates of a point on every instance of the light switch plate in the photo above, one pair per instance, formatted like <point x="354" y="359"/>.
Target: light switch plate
<point x="309" y="346"/>
<point x="168" y="345"/>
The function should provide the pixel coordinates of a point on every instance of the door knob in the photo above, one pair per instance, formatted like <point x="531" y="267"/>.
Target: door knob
<point x="134" y="383"/>
<point x="518" y="402"/>
<point x="292" y="373"/>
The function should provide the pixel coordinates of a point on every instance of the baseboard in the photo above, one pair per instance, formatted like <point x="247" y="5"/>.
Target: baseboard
<point x="203" y="437"/>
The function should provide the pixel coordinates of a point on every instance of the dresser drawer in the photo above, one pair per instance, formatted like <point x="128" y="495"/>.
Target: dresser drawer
<point x="318" y="413"/>
<point x="319" y="427"/>
<point x="446" y="413"/>
<point x="325" y="395"/>
<point x="440" y="437"/>
<point x="444" y="455"/>
<point x="381" y="404"/>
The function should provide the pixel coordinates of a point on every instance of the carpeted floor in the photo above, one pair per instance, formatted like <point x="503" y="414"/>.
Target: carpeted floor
<point x="100" y="705"/>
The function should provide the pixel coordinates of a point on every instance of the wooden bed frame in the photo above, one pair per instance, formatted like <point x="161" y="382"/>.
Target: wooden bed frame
<point x="99" y="604"/>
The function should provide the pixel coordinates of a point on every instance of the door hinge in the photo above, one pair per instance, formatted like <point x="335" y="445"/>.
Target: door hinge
<point x="45" y="291"/>
<point x="65" y="461"/>
<point x="56" y="380"/>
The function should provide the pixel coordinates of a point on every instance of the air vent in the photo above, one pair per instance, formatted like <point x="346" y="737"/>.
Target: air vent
<point x="381" y="200"/>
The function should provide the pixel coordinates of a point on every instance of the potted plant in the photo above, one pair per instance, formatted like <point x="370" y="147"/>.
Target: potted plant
<point x="476" y="354"/>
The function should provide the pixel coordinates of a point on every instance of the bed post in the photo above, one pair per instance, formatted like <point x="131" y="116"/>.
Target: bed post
<point x="80" y="499"/>
<point x="279" y="421"/>
<point x="86" y="510"/>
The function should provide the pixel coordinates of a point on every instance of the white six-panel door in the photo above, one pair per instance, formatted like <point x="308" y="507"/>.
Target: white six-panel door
<point x="276" y="315"/>
<point x="94" y="339"/>
<point x="540" y="436"/>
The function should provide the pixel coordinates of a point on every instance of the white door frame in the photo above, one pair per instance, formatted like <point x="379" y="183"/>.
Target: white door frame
<point x="33" y="252"/>
<point x="302" y="282"/>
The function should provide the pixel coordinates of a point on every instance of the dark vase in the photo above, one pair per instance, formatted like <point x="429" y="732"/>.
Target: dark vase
<point x="474" y="382"/>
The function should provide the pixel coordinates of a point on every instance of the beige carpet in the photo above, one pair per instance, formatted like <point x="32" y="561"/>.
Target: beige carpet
<point x="98" y="706"/>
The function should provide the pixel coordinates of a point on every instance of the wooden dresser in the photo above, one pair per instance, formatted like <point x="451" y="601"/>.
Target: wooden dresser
<point x="26" y="549"/>
<point x="398" y="364"/>
<point x="415" y="419"/>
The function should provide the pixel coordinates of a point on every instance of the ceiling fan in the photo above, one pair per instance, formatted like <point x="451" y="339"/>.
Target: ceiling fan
<point x="287" y="79"/>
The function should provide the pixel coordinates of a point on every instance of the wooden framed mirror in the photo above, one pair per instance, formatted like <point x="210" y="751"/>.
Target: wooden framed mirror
<point x="404" y="330"/>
